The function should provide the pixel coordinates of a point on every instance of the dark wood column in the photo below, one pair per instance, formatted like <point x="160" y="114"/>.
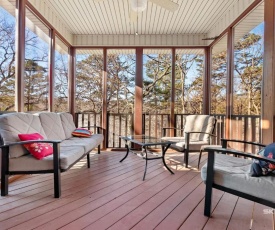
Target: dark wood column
<point x="138" y="92"/>
<point x="268" y="82"/>
<point x="172" y="105"/>
<point x="229" y="82"/>
<point x="207" y="81"/>
<point x="20" y="55"/>
<point x="51" y="70"/>
<point x="72" y="82"/>
<point x="104" y="99"/>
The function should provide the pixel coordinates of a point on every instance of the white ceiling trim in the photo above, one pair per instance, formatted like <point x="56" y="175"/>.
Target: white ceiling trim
<point x="140" y="40"/>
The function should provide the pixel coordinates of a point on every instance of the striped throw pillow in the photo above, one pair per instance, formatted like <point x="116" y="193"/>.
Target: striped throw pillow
<point x="81" y="132"/>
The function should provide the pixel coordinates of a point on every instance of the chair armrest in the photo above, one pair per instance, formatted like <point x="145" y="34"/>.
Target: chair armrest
<point x="210" y="134"/>
<point x="164" y="130"/>
<point x="212" y="150"/>
<point x="225" y="141"/>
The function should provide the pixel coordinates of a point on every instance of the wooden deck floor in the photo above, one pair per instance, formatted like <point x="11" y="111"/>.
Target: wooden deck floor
<point x="112" y="195"/>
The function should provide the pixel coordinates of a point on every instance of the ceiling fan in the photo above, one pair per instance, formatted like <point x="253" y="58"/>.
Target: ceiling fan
<point x="138" y="6"/>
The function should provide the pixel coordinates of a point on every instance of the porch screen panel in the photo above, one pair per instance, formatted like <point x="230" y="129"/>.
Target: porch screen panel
<point x="7" y="56"/>
<point x="157" y="75"/>
<point x="36" y="64"/>
<point x="248" y="62"/>
<point x="121" y="71"/>
<point x="88" y="89"/>
<point x="189" y="81"/>
<point x="218" y="77"/>
<point x="61" y="77"/>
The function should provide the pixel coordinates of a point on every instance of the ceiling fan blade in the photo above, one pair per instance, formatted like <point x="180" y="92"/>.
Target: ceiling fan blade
<point x="133" y="16"/>
<point x="167" y="4"/>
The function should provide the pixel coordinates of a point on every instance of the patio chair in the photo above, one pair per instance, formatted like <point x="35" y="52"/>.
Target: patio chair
<point x="198" y="131"/>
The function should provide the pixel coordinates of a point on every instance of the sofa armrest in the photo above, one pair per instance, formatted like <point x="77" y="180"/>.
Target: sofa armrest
<point x="29" y="142"/>
<point x="98" y="128"/>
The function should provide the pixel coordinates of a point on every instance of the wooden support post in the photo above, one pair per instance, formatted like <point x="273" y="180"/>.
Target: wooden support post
<point x="72" y="82"/>
<point x="51" y="70"/>
<point x="172" y="105"/>
<point x="268" y="82"/>
<point x="138" y="92"/>
<point x="104" y="99"/>
<point x="229" y="82"/>
<point x="207" y="81"/>
<point x="20" y="55"/>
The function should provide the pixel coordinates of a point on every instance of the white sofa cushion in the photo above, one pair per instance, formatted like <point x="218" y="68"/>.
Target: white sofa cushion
<point x="68" y="124"/>
<point x="68" y="156"/>
<point x="13" y="124"/>
<point x="88" y="143"/>
<point x="51" y="123"/>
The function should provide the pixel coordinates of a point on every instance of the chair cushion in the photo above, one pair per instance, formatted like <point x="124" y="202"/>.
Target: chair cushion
<point x="68" y="156"/>
<point x="232" y="172"/>
<point x="51" y="123"/>
<point x="67" y="124"/>
<point x="180" y="144"/>
<point x="16" y="123"/>
<point x="199" y="123"/>
<point x="38" y="150"/>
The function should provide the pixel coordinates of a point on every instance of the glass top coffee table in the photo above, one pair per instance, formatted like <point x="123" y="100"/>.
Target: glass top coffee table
<point x="145" y="142"/>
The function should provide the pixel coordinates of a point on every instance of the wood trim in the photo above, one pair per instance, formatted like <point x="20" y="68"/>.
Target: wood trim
<point x="238" y="19"/>
<point x="51" y="70"/>
<point x="140" y="47"/>
<point x="172" y="105"/>
<point x="104" y="99"/>
<point x="20" y="55"/>
<point x="72" y="80"/>
<point x="229" y="82"/>
<point x="268" y="82"/>
<point x="138" y="92"/>
<point x="207" y="81"/>
<point x="45" y="21"/>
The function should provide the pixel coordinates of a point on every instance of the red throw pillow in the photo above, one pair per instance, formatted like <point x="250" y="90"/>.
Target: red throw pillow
<point x="81" y="132"/>
<point x="38" y="150"/>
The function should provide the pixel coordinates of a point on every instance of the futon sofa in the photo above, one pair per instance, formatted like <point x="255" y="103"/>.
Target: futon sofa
<point x="55" y="128"/>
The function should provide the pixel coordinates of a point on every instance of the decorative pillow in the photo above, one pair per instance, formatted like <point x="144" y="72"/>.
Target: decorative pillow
<point x="81" y="132"/>
<point x="38" y="150"/>
<point x="263" y="168"/>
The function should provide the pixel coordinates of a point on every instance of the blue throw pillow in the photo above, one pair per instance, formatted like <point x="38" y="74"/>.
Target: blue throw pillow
<point x="263" y="168"/>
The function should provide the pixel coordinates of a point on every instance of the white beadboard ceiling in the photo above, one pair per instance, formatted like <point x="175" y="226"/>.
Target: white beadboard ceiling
<point x="111" y="17"/>
<point x="107" y="22"/>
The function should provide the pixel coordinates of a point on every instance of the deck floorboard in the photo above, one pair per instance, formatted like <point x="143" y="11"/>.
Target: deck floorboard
<point x="112" y="195"/>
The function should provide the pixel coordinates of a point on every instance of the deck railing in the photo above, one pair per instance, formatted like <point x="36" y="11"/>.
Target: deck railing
<point x="243" y="127"/>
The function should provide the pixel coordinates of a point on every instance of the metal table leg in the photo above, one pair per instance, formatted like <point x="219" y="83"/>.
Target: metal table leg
<point x="126" y="145"/>
<point x="164" y="149"/>
<point x="146" y="159"/>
